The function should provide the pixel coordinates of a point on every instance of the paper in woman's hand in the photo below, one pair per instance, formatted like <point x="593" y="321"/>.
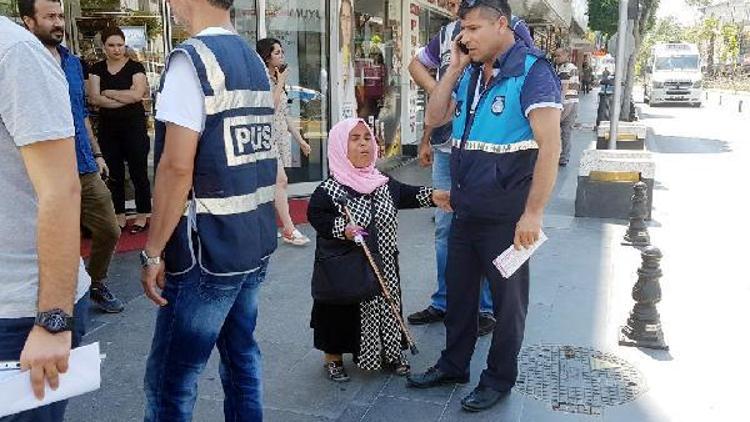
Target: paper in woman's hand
<point x="83" y="376"/>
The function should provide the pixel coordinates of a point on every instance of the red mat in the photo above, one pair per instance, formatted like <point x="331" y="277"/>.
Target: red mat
<point x="135" y="242"/>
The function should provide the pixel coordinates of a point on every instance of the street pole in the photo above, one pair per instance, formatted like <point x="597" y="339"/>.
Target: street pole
<point x="614" y="115"/>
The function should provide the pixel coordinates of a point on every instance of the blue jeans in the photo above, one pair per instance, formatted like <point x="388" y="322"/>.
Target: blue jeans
<point x="13" y="334"/>
<point x="203" y="311"/>
<point x="441" y="179"/>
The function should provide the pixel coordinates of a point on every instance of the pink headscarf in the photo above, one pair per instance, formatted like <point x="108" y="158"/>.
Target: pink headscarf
<point x="363" y="180"/>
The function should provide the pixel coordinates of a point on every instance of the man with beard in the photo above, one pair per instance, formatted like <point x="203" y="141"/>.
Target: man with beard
<point x="45" y="19"/>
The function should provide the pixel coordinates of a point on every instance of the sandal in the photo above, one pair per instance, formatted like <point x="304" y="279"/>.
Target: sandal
<point x="336" y="371"/>
<point x="138" y="228"/>
<point x="295" y="238"/>
<point x="401" y="369"/>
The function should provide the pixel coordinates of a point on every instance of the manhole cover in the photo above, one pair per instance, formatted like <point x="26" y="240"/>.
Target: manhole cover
<point x="577" y="379"/>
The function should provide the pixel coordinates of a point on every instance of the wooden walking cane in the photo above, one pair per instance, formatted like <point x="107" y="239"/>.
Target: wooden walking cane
<point x="359" y="240"/>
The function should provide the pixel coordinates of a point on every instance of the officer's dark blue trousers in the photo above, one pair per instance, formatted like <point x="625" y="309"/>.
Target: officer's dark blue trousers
<point x="471" y="248"/>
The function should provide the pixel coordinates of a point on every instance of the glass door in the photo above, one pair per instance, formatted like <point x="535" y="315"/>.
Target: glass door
<point x="302" y="28"/>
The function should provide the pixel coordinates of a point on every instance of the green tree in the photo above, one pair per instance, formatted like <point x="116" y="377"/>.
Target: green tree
<point x="730" y="46"/>
<point x="699" y="3"/>
<point x="603" y="16"/>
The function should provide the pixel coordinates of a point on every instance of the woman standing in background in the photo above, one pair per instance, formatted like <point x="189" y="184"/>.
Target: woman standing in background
<point x="118" y="86"/>
<point x="272" y="53"/>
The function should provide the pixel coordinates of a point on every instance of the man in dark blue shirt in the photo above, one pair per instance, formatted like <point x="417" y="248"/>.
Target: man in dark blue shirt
<point x="504" y="100"/>
<point x="45" y="19"/>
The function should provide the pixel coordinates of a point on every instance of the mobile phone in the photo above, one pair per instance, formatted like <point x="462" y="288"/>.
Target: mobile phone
<point x="463" y="47"/>
<point x="283" y="67"/>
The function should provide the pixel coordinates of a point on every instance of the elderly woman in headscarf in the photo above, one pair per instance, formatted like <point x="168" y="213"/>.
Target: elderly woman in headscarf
<point x="368" y="330"/>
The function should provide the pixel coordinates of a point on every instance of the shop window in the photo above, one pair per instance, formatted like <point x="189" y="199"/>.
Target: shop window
<point x="302" y="28"/>
<point x="377" y="63"/>
<point x="143" y="25"/>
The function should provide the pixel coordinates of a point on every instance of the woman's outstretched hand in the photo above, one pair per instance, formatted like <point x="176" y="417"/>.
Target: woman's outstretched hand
<point x="442" y="199"/>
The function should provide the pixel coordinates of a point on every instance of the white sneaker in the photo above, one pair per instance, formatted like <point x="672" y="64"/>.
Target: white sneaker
<point x="297" y="238"/>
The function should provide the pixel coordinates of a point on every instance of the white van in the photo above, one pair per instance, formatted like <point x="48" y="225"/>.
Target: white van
<point x="673" y="75"/>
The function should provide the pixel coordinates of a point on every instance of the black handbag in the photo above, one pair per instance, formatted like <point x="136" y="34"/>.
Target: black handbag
<point x="342" y="275"/>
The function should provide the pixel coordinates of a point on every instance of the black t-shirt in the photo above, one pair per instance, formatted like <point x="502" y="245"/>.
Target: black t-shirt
<point x="122" y="80"/>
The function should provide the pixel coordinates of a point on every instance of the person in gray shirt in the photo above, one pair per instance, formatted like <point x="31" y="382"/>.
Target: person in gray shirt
<point x="43" y="284"/>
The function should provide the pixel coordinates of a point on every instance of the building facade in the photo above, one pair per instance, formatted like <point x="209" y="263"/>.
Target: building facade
<point x="346" y="57"/>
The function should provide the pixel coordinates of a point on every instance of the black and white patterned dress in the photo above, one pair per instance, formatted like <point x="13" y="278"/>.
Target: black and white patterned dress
<point x="369" y="329"/>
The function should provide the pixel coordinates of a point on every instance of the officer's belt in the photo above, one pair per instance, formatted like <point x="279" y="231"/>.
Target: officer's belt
<point x="496" y="148"/>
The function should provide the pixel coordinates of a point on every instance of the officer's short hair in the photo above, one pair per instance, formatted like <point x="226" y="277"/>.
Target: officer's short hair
<point x="493" y="8"/>
<point x="222" y="4"/>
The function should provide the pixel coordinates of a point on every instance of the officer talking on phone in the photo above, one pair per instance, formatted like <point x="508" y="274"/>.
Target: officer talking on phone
<point x="504" y="100"/>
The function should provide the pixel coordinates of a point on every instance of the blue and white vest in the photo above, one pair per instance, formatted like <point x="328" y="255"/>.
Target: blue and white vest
<point x="494" y="152"/>
<point x="229" y="226"/>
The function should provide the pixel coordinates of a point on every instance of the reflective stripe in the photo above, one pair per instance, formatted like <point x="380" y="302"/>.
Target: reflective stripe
<point x="223" y="99"/>
<point x="215" y="75"/>
<point x="235" y="204"/>
<point x="497" y="148"/>
<point x="230" y="100"/>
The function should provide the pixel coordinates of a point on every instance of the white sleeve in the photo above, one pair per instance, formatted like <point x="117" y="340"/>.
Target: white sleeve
<point x="181" y="101"/>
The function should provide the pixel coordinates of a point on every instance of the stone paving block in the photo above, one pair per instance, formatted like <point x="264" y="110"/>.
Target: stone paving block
<point x="508" y="410"/>
<point x="278" y="415"/>
<point x="305" y="389"/>
<point x="388" y="409"/>
<point x="645" y="409"/>
<point x="354" y="412"/>
<point x="537" y="411"/>
<point x="397" y="388"/>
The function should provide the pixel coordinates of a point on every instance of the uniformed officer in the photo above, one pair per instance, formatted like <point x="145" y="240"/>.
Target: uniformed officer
<point x="504" y="99"/>
<point x="213" y="222"/>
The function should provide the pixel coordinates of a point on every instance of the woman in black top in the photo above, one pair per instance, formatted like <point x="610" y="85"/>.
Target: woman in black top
<point x="118" y="86"/>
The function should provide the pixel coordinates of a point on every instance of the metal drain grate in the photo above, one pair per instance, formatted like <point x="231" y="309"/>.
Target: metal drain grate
<point x="577" y="379"/>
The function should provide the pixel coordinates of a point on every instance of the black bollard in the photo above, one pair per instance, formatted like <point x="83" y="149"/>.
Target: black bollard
<point x="643" y="328"/>
<point x="637" y="234"/>
<point x="740" y="106"/>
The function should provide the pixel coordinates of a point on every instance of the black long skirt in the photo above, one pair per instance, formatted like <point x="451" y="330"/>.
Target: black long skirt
<point x="336" y="328"/>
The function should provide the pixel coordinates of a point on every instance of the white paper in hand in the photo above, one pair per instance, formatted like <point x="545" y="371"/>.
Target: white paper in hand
<point x="83" y="376"/>
<point x="511" y="259"/>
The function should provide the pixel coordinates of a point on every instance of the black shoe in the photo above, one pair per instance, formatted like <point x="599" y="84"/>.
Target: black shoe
<point x="433" y="378"/>
<point x="427" y="316"/>
<point x="336" y="371"/>
<point x="482" y="398"/>
<point x="486" y="323"/>
<point x="104" y="299"/>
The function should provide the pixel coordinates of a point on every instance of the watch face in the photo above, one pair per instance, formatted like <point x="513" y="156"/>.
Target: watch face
<point x="55" y="322"/>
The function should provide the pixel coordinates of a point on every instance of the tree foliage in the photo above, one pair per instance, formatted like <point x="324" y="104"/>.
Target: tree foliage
<point x="664" y="30"/>
<point x="603" y="15"/>
<point x="730" y="35"/>
<point x="699" y="3"/>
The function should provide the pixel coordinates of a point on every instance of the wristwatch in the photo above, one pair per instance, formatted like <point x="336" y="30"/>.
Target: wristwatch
<point x="54" y="321"/>
<point x="149" y="261"/>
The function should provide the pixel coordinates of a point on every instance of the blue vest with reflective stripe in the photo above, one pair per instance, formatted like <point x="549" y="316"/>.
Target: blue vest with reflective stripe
<point x="494" y="154"/>
<point x="229" y="225"/>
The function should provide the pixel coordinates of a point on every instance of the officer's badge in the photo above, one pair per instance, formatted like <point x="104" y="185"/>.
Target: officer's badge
<point x="498" y="105"/>
<point x="459" y="106"/>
